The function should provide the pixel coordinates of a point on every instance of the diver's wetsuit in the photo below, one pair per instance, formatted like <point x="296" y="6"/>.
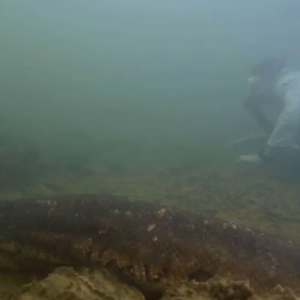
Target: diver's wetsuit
<point x="287" y="129"/>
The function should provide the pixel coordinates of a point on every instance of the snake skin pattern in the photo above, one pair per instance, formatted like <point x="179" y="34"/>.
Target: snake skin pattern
<point x="151" y="243"/>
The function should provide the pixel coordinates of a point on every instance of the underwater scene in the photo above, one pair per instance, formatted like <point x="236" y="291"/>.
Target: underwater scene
<point x="149" y="150"/>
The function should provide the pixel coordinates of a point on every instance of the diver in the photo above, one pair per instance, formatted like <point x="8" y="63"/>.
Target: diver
<point x="272" y="81"/>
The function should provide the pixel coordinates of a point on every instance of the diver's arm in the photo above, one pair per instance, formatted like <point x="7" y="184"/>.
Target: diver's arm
<point x="253" y="106"/>
<point x="285" y="132"/>
<point x="262" y="121"/>
<point x="264" y="155"/>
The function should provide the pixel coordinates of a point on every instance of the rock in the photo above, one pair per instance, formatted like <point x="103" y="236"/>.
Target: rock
<point x="64" y="283"/>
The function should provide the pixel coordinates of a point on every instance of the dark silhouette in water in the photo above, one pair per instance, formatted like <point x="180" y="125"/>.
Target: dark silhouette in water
<point x="151" y="244"/>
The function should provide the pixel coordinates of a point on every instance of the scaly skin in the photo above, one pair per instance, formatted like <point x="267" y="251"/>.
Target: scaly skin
<point x="151" y="243"/>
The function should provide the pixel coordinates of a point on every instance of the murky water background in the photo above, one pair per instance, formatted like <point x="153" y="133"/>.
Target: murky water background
<point x="141" y="99"/>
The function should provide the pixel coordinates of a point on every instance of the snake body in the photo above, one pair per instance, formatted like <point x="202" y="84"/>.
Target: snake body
<point x="149" y="242"/>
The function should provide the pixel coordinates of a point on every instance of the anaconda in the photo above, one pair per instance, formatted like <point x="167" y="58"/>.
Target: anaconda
<point x="151" y="243"/>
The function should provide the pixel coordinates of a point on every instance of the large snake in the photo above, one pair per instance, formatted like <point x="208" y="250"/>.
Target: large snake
<point x="150" y="243"/>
